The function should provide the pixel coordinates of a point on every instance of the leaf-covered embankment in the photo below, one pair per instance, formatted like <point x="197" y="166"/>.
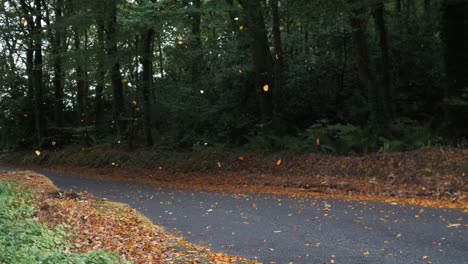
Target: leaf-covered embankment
<point x="91" y="225"/>
<point x="429" y="176"/>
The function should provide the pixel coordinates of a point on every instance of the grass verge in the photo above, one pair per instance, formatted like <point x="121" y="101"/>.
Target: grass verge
<point x="24" y="239"/>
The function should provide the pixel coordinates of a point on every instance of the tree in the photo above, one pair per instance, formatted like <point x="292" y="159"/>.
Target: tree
<point x="455" y="37"/>
<point x="147" y="62"/>
<point x="261" y="57"/>
<point x="118" y="106"/>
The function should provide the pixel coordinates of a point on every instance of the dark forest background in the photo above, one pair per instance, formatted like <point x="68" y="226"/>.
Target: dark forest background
<point x="338" y="76"/>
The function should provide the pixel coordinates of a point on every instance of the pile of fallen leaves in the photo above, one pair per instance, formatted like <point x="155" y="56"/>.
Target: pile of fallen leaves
<point x="106" y="226"/>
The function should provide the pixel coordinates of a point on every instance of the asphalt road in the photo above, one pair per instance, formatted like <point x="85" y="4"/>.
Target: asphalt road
<point x="281" y="229"/>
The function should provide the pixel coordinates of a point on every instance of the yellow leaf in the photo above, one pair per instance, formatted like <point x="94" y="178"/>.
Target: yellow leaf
<point x="241" y="27"/>
<point x="366" y="253"/>
<point x="266" y="88"/>
<point x="278" y="163"/>
<point x="398" y="235"/>
<point x="38" y="152"/>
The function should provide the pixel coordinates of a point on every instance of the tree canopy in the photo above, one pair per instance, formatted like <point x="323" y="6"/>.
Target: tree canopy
<point x="334" y="75"/>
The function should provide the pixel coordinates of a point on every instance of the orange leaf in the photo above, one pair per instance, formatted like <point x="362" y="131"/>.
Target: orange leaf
<point x="278" y="163"/>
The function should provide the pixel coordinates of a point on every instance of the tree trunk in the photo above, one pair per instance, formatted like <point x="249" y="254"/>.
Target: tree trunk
<point x="381" y="28"/>
<point x="261" y="57"/>
<point x="57" y="49"/>
<point x="358" y="26"/>
<point x="278" y="64"/>
<point x="37" y="74"/>
<point x="455" y="37"/>
<point x="100" y="77"/>
<point x="147" y="61"/>
<point x="118" y="107"/>
<point x="80" y="84"/>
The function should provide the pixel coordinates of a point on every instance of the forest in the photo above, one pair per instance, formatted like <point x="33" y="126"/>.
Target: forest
<point x="338" y="76"/>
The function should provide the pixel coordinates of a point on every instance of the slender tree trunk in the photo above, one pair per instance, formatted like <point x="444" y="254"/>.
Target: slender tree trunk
<point x="278" y="64"/>
<point x="37" y="74"/>
<point x="29" y="68"/>
<point x="381" y="28"/>
<point x="338" y="94"/>
<point x="261" y="57"/>
<point x="116" y="76"/>
<point x="80" y="83"/>
<point x="147" y="61"/>
<point x="57" y="49"/>
<point x="101" y="73"/>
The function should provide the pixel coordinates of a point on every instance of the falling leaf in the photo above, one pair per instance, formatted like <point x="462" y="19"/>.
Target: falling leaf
<point x="241" y="27"/>
<point x="254" y="206"/>
<point x="454" y="225"/>
<point x="236" y="19"/>
<point x="398" y="235"/>
<point x="23" y="21"/>
<point x="278" y="163"/>
<point x="180" y="42"/>
<point x="124" y="80"/>
<point x="266" y="88"/>
<point x="366" y="253"/>
<point x="241" y="158"/>
<point x="38" y="152"/>
<point x="317" y="141"/>
<point x="219" y="164"/>
<point x="54" y="143"/>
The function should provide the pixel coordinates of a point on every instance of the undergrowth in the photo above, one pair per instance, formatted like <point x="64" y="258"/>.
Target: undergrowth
<point x="23" y="239"/>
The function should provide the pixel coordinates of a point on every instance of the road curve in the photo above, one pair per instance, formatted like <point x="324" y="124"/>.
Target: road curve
<point x="281" y="229"/>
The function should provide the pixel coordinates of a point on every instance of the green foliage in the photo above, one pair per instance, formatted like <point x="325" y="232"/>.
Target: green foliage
<point x="319" y="78"/>
<point x="340" y="138"/>
<point x="25" y="240"/>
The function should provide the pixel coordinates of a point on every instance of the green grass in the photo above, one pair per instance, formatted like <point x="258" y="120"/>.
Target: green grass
<point x="25" y="240"/>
